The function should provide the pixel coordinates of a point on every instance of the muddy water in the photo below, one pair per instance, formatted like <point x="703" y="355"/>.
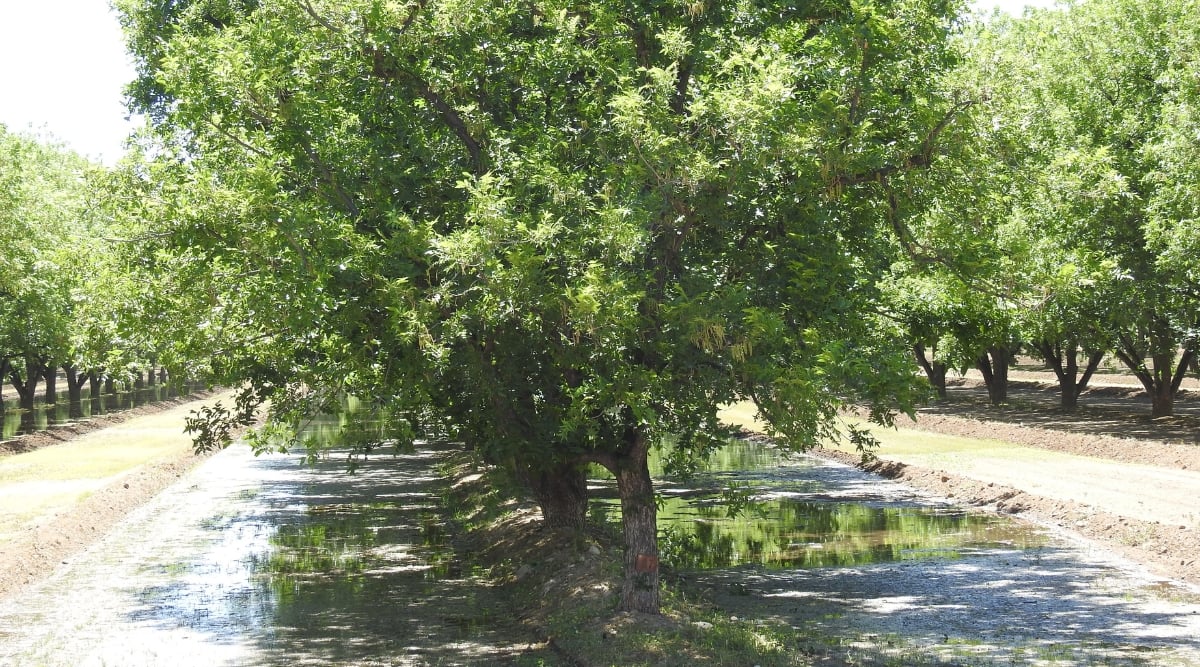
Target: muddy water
<point x="266" y="561"/>
<point x="752" y="504"/>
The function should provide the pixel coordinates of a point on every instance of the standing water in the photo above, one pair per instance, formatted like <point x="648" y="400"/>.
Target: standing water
<point x="270" y="560"/>
<point x="865" y="562"/>
<point x="753" y="504"/>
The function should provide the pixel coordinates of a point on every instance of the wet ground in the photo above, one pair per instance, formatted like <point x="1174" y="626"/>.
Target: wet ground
<point x="993" y="592"/>
<point x="265" y="561"/>
<point x="839" y="553"/>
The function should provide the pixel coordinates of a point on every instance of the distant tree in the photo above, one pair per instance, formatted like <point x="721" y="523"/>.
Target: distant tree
<point x="1097" y="90"/>
<point x="41" y="203"/>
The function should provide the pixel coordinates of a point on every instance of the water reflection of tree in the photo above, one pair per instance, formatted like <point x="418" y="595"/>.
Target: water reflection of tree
<point x="813" y="534"/>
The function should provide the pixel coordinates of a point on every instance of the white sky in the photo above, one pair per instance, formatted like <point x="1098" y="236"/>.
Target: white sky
<point x="63" y="67"/>
<point x="62" y="70"/>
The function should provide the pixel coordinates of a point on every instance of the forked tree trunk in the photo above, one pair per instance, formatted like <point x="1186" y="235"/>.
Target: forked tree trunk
<point x="993" y="365"/>
<point x="1064" y="360"/>
<point x="75" y="380"/>
<point x="561" y="493"/>
<point x="639" y="520"/>
<point x="1162" y="382"/>
<point x="26" y="386"/>
<point x="934" y="369"/>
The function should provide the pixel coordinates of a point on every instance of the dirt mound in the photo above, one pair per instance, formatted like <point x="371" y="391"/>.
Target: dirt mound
<point x="1170" y="550"/>
<point x="41" y="549"/>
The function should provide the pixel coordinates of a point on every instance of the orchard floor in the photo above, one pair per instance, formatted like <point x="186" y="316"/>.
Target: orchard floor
<point x="1078" y="602"/>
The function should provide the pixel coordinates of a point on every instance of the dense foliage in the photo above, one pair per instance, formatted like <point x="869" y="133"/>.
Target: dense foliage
<point x="565" y="233"/>
<point x="559" y="232"/>
<point x="64" y="297"/>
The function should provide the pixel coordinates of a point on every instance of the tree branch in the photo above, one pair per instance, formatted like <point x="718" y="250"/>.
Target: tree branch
<point x="308" y="9"/>
<point x="920" y="159"/>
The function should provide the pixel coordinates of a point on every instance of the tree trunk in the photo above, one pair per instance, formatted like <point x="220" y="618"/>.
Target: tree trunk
<point x="1162" y="382"/>
<point x="1162" y="401"/>
<point x="639" y="519"/>
<point x="94" y="382"/>
<point x="934" y="370"/>
<point x="110" y="385"/>
<point x="561" y="493"/>
<point x="26" y="387"/>
<point x="1064" y="360"/>
<point x="150" y="377"/>
<point x="5" y="365"/>
<point x="50" y="373"/>
<point x="993" y="365"/>
<point x="75" y="380"/>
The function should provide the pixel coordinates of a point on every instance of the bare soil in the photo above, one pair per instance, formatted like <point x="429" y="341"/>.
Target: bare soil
<point x="40" y="550"/>
<point x="1168" y="548"/>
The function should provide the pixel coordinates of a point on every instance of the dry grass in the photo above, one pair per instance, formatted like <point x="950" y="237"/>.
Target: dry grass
<point x="49" y="481"/>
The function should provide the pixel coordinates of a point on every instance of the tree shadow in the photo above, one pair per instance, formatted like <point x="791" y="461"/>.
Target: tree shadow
<point x="997" y="605"/>
<point x="349" y="568"/>
<point x="1108" y="411"/>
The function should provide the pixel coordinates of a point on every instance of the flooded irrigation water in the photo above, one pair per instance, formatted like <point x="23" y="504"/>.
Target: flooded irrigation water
<point x="842" y="554"/>
<point x="268" y="561"/>
<point x="15" y="421"/>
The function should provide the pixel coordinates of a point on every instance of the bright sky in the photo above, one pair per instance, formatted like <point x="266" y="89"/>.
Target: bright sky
<point x="62" y="70"/>
<point x="63" y="67"/>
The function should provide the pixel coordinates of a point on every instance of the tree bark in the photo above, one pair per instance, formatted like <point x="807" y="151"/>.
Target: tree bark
<point x="1064" y="360"/>
<point x="561" y="493"/>
<point x="934" y="370"/>
<point x="94" y="382"/>
<point x="75" y="380"/>
<point x="639" y="520"/>
<point x="5" y="366"/>
<point x="1162" y="382"/>
<point x="993" y="365"/>
<point x="26" y="387"/>
<point x="50" y="374"/>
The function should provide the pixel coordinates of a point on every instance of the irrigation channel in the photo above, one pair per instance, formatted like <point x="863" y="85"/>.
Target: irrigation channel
<point x="273" y="560"/>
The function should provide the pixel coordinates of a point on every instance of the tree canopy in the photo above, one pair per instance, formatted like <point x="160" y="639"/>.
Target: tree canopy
<point x="557" y="231"/>
<point x="1093" y="93"/>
